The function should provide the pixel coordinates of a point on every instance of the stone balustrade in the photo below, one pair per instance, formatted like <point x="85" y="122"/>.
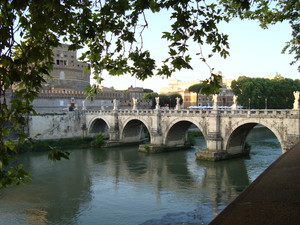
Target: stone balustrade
<point x="265" y="113"/>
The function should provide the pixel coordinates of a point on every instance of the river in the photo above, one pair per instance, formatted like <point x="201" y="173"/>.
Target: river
<point x="121" y="186"/>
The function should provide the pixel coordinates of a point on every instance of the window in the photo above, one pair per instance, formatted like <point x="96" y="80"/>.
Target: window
<point x="62" y="75"/>
<point x="62" y="62"/>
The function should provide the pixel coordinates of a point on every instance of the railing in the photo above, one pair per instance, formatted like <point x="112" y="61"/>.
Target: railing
<point x="267" y="113"/>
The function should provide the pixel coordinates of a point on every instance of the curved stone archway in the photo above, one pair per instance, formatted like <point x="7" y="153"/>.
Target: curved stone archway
<point x="135" y="131"/>
<point x="176" y="134"/>
<point x="99" y="125"/>
<point x="235" y="143"/>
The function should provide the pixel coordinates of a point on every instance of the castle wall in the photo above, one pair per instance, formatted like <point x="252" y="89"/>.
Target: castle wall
<point x="50" y="101"/>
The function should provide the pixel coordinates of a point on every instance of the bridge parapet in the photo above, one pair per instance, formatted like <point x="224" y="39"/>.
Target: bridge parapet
<point x="186" y="112"/>
<point x="122" y="112"/>
<point x="264" y="113"/>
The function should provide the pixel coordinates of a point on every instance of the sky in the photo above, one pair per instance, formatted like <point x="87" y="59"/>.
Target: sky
<point x="254" y="52"/>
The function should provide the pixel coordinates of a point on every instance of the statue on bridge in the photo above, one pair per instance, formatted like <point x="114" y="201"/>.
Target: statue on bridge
<point x="177" y="103"/>
<point x="215" y="101"/>
<point x="134" y="100"/>
<point x="115" y="104"/>
<point x="157" y="103"/>
<point x="83" y="105"/>
<point x="234" y="106"/>
<point x="296" y="101"/>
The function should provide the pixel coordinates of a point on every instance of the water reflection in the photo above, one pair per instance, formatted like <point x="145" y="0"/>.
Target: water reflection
<point x="123" y="186"/>
<point x="55" y="195"/>
<point x="224" y="181"/>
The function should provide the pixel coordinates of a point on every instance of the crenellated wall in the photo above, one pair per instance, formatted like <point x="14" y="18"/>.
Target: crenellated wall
<point x="60" y="100"/>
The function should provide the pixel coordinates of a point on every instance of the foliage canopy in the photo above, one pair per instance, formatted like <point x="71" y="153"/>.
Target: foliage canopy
<point x="112" y="32"/>
<point x="164" y="99"/>
<point x="260" y="93"/>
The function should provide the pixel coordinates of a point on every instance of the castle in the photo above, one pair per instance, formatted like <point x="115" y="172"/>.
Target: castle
<point x="64" y="91"/>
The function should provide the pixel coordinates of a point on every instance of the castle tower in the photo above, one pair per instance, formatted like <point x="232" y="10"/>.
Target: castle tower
<point x="68" y="73"/>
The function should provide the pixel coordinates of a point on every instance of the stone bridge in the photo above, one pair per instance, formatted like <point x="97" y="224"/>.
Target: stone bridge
<point x="225" y="131"/>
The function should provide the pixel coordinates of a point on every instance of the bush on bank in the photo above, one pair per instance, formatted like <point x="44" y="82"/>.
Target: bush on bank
<point x="63" y="143"/>
<point x="98" y="141"/>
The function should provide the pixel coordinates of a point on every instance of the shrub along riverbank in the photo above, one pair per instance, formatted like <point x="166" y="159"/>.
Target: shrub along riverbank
<point x="68" y="143"/>
<point x="63" y="143"/>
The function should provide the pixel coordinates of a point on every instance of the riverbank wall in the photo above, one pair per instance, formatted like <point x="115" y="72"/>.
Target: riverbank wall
<point x="56" y="125"/>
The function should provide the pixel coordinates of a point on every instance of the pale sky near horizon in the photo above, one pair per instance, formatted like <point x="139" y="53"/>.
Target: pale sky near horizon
<point x="254" y="52"/>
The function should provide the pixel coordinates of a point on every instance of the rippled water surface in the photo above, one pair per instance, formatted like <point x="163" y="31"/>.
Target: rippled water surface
<point x="121" y="186"/>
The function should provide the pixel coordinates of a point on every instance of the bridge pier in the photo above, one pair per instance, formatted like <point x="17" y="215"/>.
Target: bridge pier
<point x="214" y="148"/>
<point x="214" y="143"/>
<point x="151" y="148"/>
<point x="156" y="142"/>
<point x="114" y="132"/>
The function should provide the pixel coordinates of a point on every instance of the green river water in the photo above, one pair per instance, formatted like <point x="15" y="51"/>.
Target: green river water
<point x="121" y="186"/>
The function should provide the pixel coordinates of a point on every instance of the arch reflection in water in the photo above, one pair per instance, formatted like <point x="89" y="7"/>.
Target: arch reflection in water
<point x="123" y="186"/>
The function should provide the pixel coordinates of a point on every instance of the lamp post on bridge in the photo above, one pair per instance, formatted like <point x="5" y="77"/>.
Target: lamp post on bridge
<point x="266" y="103"/>
<point x="249" y="102"/>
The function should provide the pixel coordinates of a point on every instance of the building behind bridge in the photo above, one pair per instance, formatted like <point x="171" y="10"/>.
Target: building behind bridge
<point x="65" y="89"/>
<point x="225" y="97"/>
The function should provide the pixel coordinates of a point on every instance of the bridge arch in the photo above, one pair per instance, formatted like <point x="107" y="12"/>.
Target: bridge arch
<point x="235" y="140"/>
<point x="176" y="132"/>
<point x="98" y="125"/>
<point x="135" y="130"/>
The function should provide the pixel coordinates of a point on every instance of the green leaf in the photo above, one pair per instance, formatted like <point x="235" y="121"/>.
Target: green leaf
<point x="10" y="145"/>
<point x="56" y="154"/>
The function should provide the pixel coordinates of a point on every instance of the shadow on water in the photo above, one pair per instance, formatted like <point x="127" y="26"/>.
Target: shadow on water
<point x="122" y="186"/>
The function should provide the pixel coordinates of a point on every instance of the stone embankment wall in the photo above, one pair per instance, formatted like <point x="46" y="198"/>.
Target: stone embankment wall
<point x="56" y="125"/>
